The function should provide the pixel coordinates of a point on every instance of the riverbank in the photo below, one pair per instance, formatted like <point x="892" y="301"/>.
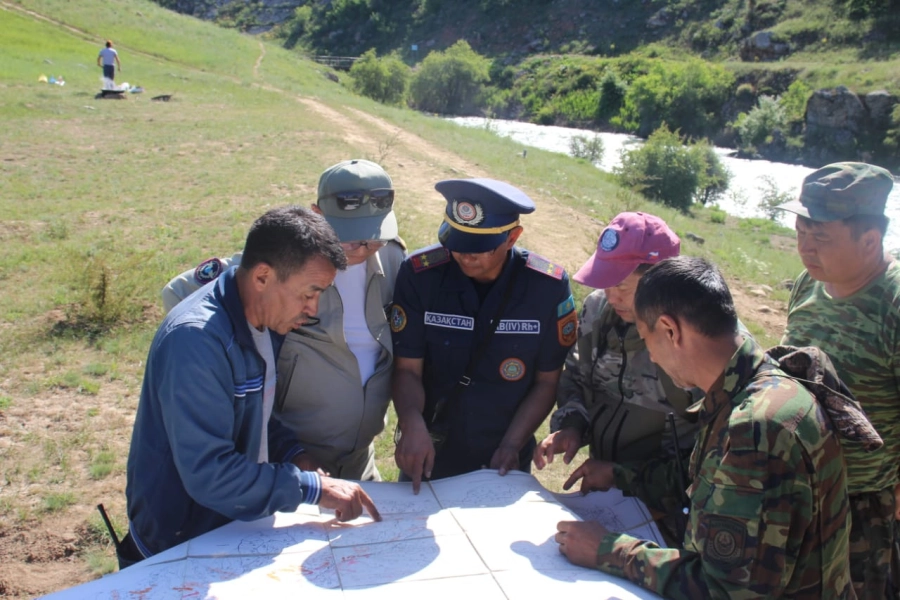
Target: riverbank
<point x="745" y="190"/>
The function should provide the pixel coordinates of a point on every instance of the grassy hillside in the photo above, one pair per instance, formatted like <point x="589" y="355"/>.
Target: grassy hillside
<point x="102" y="201"/>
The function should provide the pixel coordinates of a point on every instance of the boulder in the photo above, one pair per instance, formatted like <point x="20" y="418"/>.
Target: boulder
<point x="880" y="104"/>
<point x="835" y="120"/>
<point x="659" y="19"/>
<point x="762" y="46"/>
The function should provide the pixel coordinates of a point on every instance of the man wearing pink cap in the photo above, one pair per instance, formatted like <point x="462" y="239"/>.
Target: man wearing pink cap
<point x="611" y="396"/>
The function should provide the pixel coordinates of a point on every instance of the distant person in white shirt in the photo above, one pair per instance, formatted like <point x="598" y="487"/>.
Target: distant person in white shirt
<point x="109" y="60"/>
<point x="334" y="372"/>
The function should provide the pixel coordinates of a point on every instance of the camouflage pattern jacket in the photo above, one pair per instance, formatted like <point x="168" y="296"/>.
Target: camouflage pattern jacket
<point x="768" y="499"/>
<point x="615" y="396"/>
<point x="861" y="334"/>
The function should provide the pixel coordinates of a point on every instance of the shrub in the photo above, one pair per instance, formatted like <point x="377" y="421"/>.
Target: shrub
<point x="757" y="126"/>
<point x="590" y="148"/>
<point x="383" y="79"/>
<point x="667" y="171"/>
<point x="690" y="93"/>
<point x="771" y="197"/>
<point x="612" y="96"/>
<point x="451" y="82"/>
<point x="794" y="100"/>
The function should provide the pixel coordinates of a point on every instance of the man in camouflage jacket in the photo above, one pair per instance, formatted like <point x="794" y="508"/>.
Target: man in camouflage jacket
<point x="767" y="504"/>
<point x="847" y="302"/>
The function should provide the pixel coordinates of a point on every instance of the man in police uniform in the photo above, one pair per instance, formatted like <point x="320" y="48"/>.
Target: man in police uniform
<point x="481" y="331"/>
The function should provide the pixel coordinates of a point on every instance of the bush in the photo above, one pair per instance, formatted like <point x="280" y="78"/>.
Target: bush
<point x="691" y="94"/>
<point x="612" y="96"/>
<point x="771" y="197"/>
<point x="794" y="100"/>
<point x="451" y="82"/>
<point x="667" y="171"/>
<point x="757" y="126"/>
<point x="383" y="79"/>
<point x="591" y="148"/>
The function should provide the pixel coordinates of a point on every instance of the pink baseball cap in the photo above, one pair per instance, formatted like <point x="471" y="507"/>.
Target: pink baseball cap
<point x="630" y="239"/>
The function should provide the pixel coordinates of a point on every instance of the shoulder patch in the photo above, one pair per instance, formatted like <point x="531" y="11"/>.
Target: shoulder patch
<point x="565" y="307"/>
<point x="429" y="257"/>
<point x="208" y="270"/>
<point x="542" y="265"/>
<point x="567" y="328"/>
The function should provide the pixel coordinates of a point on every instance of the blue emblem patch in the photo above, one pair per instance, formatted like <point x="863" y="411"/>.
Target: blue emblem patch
<point x="208" y="270"/>
<point x="609" y="240"/>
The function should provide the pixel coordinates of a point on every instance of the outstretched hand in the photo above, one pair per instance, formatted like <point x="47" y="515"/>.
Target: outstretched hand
<point x="347" y="499"/>
<point x="415" y="452"/>
<point x="595" y="475"/>
<point x="566" y="441"/>
<point x="579" y="541"/>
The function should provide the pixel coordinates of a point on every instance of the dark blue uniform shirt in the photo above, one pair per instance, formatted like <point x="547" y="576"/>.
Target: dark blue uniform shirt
<point x="437" y="316"/>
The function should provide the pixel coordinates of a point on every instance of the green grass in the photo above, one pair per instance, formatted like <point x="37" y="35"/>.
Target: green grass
<point x="104" y="201"/>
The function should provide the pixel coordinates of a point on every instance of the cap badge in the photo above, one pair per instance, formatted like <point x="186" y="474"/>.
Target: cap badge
<point x="609" y="240"/>
<point x="467" y="213"/>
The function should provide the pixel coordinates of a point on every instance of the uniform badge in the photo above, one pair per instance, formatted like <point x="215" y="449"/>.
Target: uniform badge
<point x="208" y="270"/>
<point x="398" y="318"/>
<point x="565" y="307"/>
<point x="512" y="369"/>
<point x="568" y="329"/>
<point x="467" y="213"/>
<point x="609" y="240"/>
<point x="542" y="265"/>
<point x="725" y="540"/>
<point x="429" y="258"/>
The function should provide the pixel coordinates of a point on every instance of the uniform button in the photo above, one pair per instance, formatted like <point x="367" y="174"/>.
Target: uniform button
<point x="446" y="342"/>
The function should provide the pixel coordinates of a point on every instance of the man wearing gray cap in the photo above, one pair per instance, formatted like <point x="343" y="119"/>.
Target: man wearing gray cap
<point x="481" y="331"/>
<point x="847" y="302"/>
<point x="334" y="372"/>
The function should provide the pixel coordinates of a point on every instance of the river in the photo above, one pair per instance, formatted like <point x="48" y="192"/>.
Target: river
<point x="743" y="195"/>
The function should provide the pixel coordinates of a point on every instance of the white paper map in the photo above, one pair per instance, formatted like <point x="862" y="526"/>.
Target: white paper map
<point x="477" y="536"/>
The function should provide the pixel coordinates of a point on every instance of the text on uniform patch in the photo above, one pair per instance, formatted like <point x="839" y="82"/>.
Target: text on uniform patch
<point x="449" y="321"/>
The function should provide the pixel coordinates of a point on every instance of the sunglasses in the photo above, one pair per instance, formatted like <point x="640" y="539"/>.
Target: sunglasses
<point x="367" y="244"/>
<point x="382" y="199"/>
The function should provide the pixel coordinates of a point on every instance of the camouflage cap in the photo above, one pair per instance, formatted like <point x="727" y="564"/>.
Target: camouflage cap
<point x="842" y="190"/>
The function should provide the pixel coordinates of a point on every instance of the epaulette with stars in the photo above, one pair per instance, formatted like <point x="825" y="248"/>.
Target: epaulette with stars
<point x="545" y="266"/>
<point x="429" y="257"/>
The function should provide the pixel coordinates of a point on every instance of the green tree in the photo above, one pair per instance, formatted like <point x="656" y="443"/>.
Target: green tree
<point x="666" y="170"/>
<point x="383" y="79"/>
<point x="451" y="82"/>
<point x="689" y="94"/>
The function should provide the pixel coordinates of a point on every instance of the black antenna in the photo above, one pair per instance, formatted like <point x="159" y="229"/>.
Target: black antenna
<point x="109" y="527"/>
<point x="685" y="501"/>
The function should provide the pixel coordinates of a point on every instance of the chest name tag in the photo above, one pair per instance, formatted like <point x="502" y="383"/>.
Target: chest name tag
<point x="526" y="326"/>
<point x="450" y="321"/>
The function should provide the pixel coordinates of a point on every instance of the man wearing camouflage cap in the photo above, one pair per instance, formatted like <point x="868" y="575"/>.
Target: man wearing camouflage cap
<point x="847" y="302"/>
<point x="481" y="330"/>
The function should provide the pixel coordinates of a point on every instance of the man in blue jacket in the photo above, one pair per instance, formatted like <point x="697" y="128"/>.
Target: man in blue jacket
<point x="204" y="451"/>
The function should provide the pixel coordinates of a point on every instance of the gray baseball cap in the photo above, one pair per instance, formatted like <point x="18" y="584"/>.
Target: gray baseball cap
<point x="842" y="190"/>
<point x="356" y="197"/>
